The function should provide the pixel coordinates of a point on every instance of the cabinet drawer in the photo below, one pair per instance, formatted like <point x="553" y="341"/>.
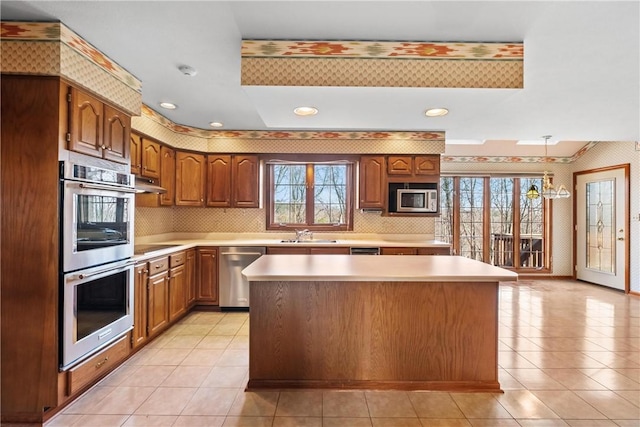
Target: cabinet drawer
<point x="177" y="259"/>
<point x="158" y="265"/>
<point x="399" y="251"/>
<point x="97" y="366"/>
<point x="435" y="251"/>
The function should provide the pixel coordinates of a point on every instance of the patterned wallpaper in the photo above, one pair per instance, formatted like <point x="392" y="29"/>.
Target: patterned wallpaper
<point x="51" y="48"/>
<point x="381" y="64"/>
<point x="150" y="221"/>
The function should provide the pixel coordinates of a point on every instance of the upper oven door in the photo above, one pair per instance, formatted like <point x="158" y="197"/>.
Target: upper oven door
<point x="97" y="224"/>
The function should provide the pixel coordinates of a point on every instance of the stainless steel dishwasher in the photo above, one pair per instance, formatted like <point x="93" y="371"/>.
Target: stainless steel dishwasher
<point x="234" y="287"/>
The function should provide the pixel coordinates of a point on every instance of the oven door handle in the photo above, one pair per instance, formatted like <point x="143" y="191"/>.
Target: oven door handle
<point x="95" y="273"/>
<point x="106" y="187"/>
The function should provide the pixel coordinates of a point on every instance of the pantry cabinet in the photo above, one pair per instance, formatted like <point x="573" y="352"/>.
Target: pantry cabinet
<point x="97" y="129"/>
<point x="372" y="182"/>
<point x="191" y="173"/>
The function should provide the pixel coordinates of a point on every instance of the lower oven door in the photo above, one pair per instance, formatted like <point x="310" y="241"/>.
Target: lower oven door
<point x="97" y="309"/>
<point x="97" y="224"/>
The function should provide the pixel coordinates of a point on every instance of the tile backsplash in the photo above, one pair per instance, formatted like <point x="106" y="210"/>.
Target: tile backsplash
<point x="151" y="221"/>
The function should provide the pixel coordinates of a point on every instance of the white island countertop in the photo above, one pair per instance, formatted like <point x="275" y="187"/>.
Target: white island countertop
<point x="387" y="268"/>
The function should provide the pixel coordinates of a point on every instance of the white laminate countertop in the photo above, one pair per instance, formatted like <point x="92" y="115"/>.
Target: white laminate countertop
<point x="165" y="247"/>
<point x="387" y="268"/>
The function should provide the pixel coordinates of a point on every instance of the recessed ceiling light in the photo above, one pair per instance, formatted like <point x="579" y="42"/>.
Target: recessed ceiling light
<point x="216" y="124"/>
<point x="305" y="111"/>
<point x="168" y="105"/>
<point x="436" y="112"/>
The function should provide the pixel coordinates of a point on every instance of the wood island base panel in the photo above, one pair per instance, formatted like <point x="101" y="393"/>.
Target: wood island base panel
<point x="411" y="335"/>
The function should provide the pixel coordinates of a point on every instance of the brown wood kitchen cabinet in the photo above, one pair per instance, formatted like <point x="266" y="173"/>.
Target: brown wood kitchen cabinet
<point x="413" y="166"/>
<point x="145" y="156"/>
<point x="372" y="182"/>
<point x="190" y="269"/>
<point x="177" y="286"/>
<point x="245" y="181"/>
<point x="140" y="280"/>
<point x="191" y="172"/>
<point x="207" y="268"/>
<point x="398" y="251"/>
<point x="158" y="296"/>
<point x="168" y="175"/>
<point x="307" y="250"/>
<point x="432" y="250"/>
<point x="233" y="180"/>
<point x="97" y="129"/>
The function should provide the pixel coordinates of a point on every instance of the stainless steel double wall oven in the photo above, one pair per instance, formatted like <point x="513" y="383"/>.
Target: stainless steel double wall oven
<point x="97" y="209"/>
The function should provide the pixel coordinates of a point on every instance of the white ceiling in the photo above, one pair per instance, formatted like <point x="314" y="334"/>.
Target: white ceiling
<point x="581" y="67"/>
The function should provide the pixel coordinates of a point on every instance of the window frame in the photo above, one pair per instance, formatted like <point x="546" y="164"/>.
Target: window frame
<point x="547" y="218"/>
<point x="309" y="160"/>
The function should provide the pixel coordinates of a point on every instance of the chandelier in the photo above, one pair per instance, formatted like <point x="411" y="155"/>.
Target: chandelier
<point x="549" y="191"/>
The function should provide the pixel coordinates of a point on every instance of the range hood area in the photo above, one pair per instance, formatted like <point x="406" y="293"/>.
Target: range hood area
<point x="148" y="185"/>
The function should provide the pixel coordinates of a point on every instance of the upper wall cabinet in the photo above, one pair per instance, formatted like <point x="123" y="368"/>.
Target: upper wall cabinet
<point x="372" y="182"/>
<point x="245" y="181"/>
<point x="98" y="129"/>
<point x="233" y="181"/>
<point x="191" y="172"/>
<point x="145" y="156"/>
<point x="413" y="166"/>
<point x="168" y="175"/>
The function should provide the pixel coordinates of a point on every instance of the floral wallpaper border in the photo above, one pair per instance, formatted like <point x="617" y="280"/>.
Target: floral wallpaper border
<point x="519" y="159"/>
<point x="383" y="49"/>
<point x="286" y="135"/>
<point x="57" y="31"/>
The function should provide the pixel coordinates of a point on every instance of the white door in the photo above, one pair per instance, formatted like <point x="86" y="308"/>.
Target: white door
<point x="600" y="233"/>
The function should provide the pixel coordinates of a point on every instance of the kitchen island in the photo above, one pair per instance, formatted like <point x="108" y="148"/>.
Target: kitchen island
<point x="374" y="322"/>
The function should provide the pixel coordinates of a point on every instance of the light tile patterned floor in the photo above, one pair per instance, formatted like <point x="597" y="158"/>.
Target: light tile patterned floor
<point x="569" y="355"/>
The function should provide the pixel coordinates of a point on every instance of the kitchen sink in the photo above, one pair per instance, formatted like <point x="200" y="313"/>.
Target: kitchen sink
<point x="308" y="241"/>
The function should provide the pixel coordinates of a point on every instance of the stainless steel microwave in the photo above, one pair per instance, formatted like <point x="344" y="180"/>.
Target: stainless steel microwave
<point x="417" y="200"/>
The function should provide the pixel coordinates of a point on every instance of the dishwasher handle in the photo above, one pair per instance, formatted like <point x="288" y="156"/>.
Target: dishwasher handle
<point x="241" y="253"/>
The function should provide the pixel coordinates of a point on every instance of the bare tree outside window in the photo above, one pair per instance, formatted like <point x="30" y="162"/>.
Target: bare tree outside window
<point x="491" y="219"/>
<point x="312" y="195"/>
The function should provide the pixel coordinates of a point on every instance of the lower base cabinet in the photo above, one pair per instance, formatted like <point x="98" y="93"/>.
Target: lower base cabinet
<point x="97" y="366"/>
<point x="177" y="286"/>
<point x="292" y="250"/>
<point x="158" y="296"/>
<point x="439" y="250"/>
<point x="139" y="333"/>
<point x="190" y="271"/>
<point x="207" y="267"/>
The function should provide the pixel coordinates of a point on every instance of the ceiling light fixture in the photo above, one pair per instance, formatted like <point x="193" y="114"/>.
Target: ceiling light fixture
<point x="436" y="112"/>
<point x="168" y="105"/>
<point x="305" y="111"/>
<point x="549" y="190"/>
<point x="216" y="124"/>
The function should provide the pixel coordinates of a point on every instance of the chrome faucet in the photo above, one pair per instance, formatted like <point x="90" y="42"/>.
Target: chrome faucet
<point x="305" y="234"/>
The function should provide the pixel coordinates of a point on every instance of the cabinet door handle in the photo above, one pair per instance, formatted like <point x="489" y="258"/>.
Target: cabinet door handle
<point x="102" y="362"/>
<point x="159" y="266"/>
